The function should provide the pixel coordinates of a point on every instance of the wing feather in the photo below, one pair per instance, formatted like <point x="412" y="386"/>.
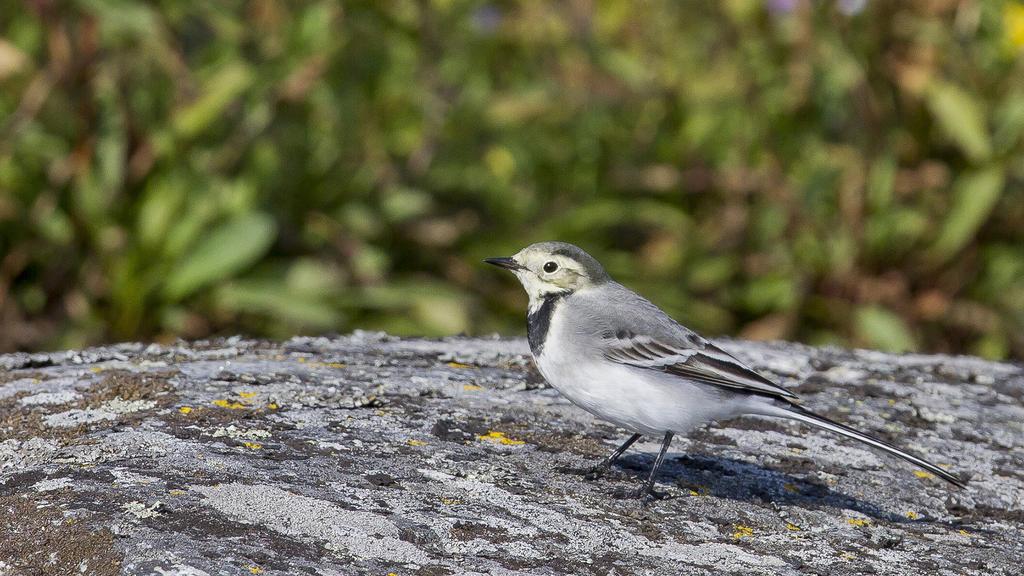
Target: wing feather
<point x="633" y="331"/>
<point x="698" y="360"/>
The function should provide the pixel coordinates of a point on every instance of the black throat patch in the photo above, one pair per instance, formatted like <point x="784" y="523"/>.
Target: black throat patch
<point x="538" y="322"/>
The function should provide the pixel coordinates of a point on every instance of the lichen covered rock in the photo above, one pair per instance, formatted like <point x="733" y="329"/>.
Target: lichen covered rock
<point x="368" y="454"/>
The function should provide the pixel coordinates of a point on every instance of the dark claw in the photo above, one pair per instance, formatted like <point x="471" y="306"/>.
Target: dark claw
<point x="595" y="473"/>
<point x="591" y="473"/>
<point x="627" y="493"/>
<point x="645" y="494"/>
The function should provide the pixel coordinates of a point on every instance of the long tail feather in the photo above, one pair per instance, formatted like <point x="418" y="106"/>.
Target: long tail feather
<point x="804" y="415"/>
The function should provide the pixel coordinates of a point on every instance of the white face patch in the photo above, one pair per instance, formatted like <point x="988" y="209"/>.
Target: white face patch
<point x="546" y="274"/>
<point x="536" y="288"/>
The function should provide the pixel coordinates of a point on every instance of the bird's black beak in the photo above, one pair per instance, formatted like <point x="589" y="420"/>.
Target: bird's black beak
<point x="506" y="263"/>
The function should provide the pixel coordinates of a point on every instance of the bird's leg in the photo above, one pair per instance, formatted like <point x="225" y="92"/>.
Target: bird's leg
<point x="646" y="490"/>
<point x="603" y="466"/>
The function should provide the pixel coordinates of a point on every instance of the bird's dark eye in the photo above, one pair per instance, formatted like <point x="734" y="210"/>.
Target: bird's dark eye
<point x="550" y="267"/>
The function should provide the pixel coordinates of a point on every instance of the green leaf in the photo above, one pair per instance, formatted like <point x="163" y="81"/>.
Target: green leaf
<point x="711" y="272"/>
<point x="221" y="253"/>
<point x="770" y="293"/>
<point x="993" y="346"/>
<point x="218" y="92"/>
<point x="159" y="209"/>
<point x="1008" y="120"/>
<point x="881" y="178"/>
<point x="311" y="277"/>
<point x="891" y="233"/>
<point x="881" y="329"/>
<point x="961" y="118"/>
<point x="56" y="227"/>
<point x="441" y="314"/>
<point x="976" y="194"/>
<point x="277" y="300"/>
<point x="125" y="19"/>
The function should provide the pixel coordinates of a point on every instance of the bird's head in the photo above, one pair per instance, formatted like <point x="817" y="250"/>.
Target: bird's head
<point x="551" y="268"/>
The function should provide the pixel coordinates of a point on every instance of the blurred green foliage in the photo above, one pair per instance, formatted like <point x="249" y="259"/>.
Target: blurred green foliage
<point x="842" y="171"/>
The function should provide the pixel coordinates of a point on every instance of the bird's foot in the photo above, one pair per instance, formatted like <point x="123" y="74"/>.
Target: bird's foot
<point x="646" y="494"/>
<point x="596" y="472"/>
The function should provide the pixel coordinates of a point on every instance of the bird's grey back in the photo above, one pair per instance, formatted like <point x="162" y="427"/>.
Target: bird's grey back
<point x="611" y="310"/>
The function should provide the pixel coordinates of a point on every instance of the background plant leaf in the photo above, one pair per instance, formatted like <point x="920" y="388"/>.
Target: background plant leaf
<point x="845" y="173"/>
<point x="962" y="118"/>
<point x="224" y="251"/>
<point x="879" y="328"/>
<point x="975" y="195"/>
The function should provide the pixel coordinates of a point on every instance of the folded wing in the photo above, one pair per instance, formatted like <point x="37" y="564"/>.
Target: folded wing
<point x="690" y="357"/>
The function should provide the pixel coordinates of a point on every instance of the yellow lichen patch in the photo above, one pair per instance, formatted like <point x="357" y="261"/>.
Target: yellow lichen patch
<point x="246" y="394"/>
<point x="254" y="569"/>
<point x="176" y="492"/>
<point x="847" y="556"/>
<point x="912" y="515"/>
<point x="252" y="445"/>
<point x="859" y="522"/>
<point x="458" y="365"/>
<point x="699" y="491"/>
<point x="273" y="406"/>
<point x="450" y="501"/>
<point x="471" y="387"/>
<point x="963" y="532"/>
<point x="499" y="438"/>
<point x="923" y="474"/>
<point x="336" y="365"/>
<point x="892" y="402"/>
<point x="790" y="487"/>
<point x="392" y="574"/>
<point x="185" y="409"/>
<point x="742" y="532"/>
<point x="792" y="527"/>
<point x="301" y="360"/>
<point x="228" y="404"/>
<point x="414" y="442"/>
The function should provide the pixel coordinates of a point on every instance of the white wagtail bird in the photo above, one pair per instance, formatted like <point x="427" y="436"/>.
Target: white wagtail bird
<point x="618" y="356"/>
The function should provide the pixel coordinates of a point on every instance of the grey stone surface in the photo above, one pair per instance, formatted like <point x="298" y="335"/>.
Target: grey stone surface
<point x="368" y="454"/>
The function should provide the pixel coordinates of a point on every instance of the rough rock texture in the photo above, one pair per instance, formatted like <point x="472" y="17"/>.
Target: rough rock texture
<point x="368" y="454"/>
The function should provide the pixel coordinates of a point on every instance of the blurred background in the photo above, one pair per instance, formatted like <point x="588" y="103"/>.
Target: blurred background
<point x="826" y="171"/>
